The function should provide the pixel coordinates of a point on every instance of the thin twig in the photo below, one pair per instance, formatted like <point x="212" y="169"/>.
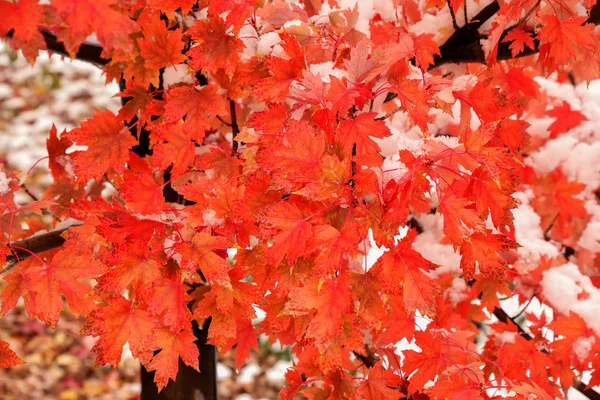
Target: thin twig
<point x="45" y="211"/>
<point x="223" y="121"/>
<point x="235" y="129"/>
<point x="386" y="116"/>
<point x="522" y="20"/>
<point x="549" y="228"/>
<point x="454" y="24"/>
<point x="524" y="308"/>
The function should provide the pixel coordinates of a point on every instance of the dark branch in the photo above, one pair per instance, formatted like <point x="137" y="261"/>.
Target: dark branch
<point x="88" y="52"/>
<point x="23" y="249"/>
<point x="235" y="129"/>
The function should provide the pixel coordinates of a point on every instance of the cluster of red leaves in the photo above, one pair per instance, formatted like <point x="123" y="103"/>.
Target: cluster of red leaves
<point x="296" y="193"/>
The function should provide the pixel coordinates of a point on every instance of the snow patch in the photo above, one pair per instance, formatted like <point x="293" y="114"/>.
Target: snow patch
<point x="568" y="290"/>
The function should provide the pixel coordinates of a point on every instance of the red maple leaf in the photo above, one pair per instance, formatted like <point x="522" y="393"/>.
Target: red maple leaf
<point x="133" y="269"/>
<point x="559" y="40"/>
<point x="425" y="49"/>
<point x="332" y="301"/>
<point x="26" y="36"/>
<point x="168" y="298"/>
<point x="293" y="235"/>
<point x="61" y="275"/>
<point x="566" y="119"/>
<point x="563" y="196"/>
<point x="198" y="254"/>
<point x="247" y="338"/>
<point x="519" y="39"/>
<point x="172" y="345"/>
<point x="459" y="218"/>
<point x="216" y="47"/>
<point x="159" y="47"/>
<point x="108" y="143"/>
<point x="283" y="70"/>
<point x="81" y="19"/>
<point x="175" y="147"/>
<point x="403" y="270"/>
<point x="360" y="130"/>
<point x="59" y="162"/>
<point x="482" y="250"/>
<point x="8" y="358"/>
<point x="238" y="11"/>
<point x="140" y="178"/>
<point x="193" y="104"/>
<point x="117" y="323"/>
<point x="379" y="384"/>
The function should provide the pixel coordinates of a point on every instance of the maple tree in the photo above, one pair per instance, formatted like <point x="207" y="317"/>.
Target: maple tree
<point x="265" y="148"/>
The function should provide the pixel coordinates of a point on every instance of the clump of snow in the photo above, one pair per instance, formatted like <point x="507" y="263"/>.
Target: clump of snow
<point x="209" y="217"/>
<point x="568" y="290"/>
<point x="528" y="231"/>
<point x="4" y="184"/>
<point x="590" y="237"/>
<point x="326" y="70"/>
<point x="582" y="347"/>
<point x="365" y="13"/>
<point x="266" y="43"/>
<point x="403" y="137"/>
<point x="505" y="337"/>
<point x="176" y="74"/>
<point x="393" y="169"/>
<point x="457" y="292"/>
<point x="293" y="22"/>
<point x="429" y="245"/>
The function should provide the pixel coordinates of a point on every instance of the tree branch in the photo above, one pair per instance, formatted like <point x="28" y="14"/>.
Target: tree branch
<point x="88" y="52"/>
<point x="235" y="129"/>
<point x="24" y="248"/>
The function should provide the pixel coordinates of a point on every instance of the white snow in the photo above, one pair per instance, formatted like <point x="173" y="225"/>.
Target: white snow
<point x="528" y="231"/>
<point x="568" y="290"/>
<point x="4" y="184"/>
<point x="457" y="292"/>
<point x="582" y="347"/>
<point x="429" y="245"/>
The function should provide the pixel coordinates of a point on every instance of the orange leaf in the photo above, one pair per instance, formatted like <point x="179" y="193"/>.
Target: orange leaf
<point x="379" y="384"/>
<point x="193" y="104"/>
<point x="160" y="47"/>
<point x="172" y="346"/>
<point x="559" y="40"/>
<point x="216" y="48"/>
<point x="117" y="323"/>
<point x="483" y="250"/>
<point x="360" y="130"/>
<point x="108" y="143"/>
<point x="460" y="218"/>
<point x="566" y="119"/>
<point x="8" y="358"/>
<point x="519" y="39"/>
<point x="403" y="270"/>
<point x="247" y="338"/>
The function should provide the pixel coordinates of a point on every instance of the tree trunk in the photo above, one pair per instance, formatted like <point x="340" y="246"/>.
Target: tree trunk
<point x="190" y="384"/>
